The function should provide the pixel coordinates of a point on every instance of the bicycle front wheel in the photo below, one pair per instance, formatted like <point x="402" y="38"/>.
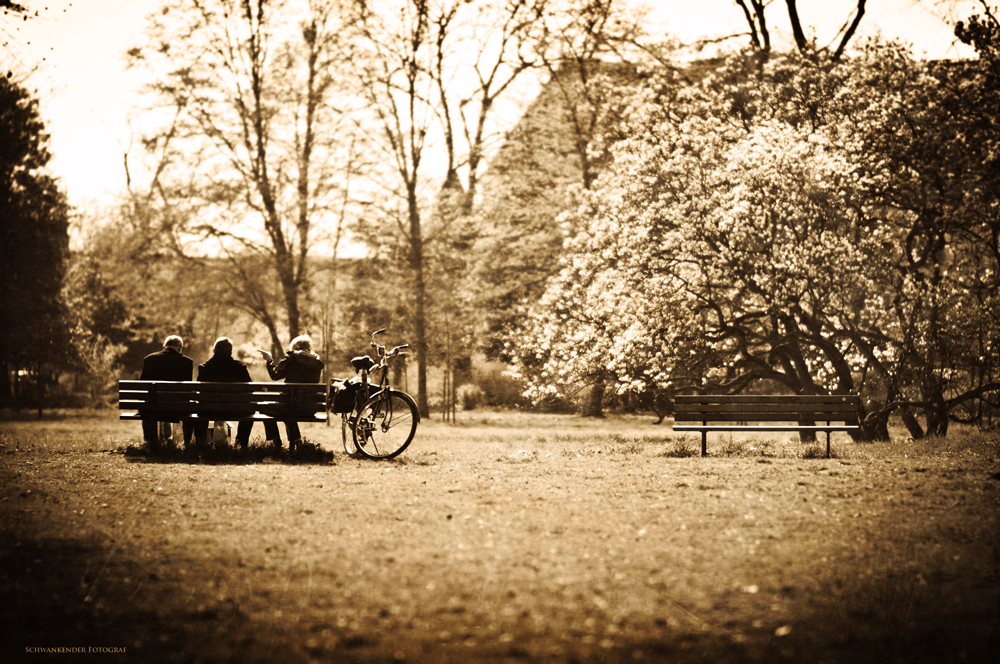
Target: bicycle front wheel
<point x="386" y="424"/>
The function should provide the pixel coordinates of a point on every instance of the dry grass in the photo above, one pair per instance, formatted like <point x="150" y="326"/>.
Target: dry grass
<point x="506" y="537"/>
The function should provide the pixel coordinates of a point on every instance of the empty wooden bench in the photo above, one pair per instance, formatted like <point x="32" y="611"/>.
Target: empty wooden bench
<point x="176" y="401"/>
<point x="707" y="412"/>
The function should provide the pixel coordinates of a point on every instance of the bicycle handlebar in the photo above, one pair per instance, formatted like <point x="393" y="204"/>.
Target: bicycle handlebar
<point x="382" y="354"/>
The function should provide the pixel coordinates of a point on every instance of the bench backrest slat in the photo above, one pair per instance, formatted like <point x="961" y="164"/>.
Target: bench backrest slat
<point x="777" y="398"/>
<point x="237" y="399"/>
<point x="176" y="396"/>
<point x="772" y="408"/>
<point x="704" y="408"/>
<point x="243" y="397"/>
<point x="224" y="407"/>
<point x="164" y="388"/>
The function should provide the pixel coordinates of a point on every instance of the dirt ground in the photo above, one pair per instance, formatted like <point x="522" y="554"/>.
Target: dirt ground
<point x="497" y="540"/>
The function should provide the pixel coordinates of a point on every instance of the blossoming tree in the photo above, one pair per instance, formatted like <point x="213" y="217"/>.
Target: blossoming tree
<point x="796" y="223"/>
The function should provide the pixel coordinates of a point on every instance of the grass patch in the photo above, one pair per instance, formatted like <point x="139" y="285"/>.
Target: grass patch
<point x="505" y="537"/>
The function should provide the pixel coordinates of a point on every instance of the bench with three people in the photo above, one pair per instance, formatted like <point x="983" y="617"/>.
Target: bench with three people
<point x="223" y="391"/>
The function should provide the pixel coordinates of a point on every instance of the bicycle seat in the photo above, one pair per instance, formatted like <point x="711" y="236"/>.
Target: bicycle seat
<point x="362" y="363"/>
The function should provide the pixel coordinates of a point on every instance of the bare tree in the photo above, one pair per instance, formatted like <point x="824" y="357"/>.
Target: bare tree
<point x="760" y="36"/>
<point x="433" y="71"/>
<point x="255" y="148"/>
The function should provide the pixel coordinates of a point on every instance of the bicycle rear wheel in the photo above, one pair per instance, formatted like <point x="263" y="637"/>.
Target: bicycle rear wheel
<point x="347" y="433"/>
<point x="386" y="424"/>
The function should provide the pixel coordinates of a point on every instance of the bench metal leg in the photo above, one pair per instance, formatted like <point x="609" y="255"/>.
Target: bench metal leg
<point x="828" y="442"/>
<point x="704" y="442"/>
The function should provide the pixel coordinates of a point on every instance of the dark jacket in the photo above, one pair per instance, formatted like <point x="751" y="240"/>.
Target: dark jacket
<point x="223" y="369"/>
<point x="299" y="366"/>
<point x="167" y="364"/>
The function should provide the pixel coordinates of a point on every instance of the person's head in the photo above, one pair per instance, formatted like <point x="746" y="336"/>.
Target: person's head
<point x="174" y="341"/>
<point x="223" y="347"/>
<point x="302" y="342"/>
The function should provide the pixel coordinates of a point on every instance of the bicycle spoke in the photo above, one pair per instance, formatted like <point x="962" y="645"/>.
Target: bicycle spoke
<point x="385" y="425"/>
<point x="347" y="434"/>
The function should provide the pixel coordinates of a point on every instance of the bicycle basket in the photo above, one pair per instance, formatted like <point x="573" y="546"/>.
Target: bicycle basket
<point x="344" y="395"/>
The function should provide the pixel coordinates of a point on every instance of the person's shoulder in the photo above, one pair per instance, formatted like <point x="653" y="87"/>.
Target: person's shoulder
<point x="235" y="363"/>
<point x="305" y="356"/>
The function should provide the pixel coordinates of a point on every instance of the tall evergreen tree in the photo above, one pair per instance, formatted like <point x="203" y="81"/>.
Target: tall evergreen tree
<point x="34" y="241"/>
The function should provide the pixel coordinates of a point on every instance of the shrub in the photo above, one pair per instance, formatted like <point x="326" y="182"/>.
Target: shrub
<point x="497" y="389"/>
<point x="470" y="396"/>
<point x="680" y="449"/>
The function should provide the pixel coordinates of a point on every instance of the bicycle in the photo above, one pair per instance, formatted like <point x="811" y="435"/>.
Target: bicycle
<point x="381" y="423"/>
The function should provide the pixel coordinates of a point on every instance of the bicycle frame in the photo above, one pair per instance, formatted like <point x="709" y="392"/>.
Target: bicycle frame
<point x="382" y="366"/>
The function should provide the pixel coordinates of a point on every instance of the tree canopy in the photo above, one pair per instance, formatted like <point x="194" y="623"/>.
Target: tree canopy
<point x="821" y="220"/>
<point x="815" y="224"/>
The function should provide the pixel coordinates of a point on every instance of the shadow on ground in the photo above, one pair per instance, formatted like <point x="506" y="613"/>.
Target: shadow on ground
<point x="68" y="593"/>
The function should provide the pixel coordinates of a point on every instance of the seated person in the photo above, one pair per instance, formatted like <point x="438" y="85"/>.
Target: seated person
<point x="222" y="367"/>
<point x="169" y="363"/>
<point x="301" y="365"/>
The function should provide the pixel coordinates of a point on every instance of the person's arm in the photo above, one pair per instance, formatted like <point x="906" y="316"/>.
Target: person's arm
<point x="271" y="368"/>
<point x="279" y="370"/>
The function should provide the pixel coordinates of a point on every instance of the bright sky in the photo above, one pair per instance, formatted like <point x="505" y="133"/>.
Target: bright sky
<point x="87" y="96"/>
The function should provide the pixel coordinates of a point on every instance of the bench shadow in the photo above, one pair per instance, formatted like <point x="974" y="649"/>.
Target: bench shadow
<point x="224" y="454"/>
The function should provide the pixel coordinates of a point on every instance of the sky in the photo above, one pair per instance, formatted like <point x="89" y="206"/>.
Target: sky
<point x="89" y="101"/>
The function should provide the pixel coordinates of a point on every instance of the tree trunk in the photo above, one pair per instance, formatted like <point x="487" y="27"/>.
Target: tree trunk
<point x="6" y="388"/>
<point x="937" y="418"/>
<point x="595" y="401"/>
<point x="911" y="424"/>
<point x="420" y="297"/>
<point x="876" y="428"/>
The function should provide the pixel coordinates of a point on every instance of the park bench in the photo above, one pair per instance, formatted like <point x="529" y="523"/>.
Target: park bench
<point x="707" y="412"/>
<point x="176" y="401"/>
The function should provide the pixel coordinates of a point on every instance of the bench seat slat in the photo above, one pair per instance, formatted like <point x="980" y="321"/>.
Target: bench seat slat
<point x="256" y="417"/>
<point x="309" y="392"/>
<point x="766" y="427"/>
<point x="762" y="408"/>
